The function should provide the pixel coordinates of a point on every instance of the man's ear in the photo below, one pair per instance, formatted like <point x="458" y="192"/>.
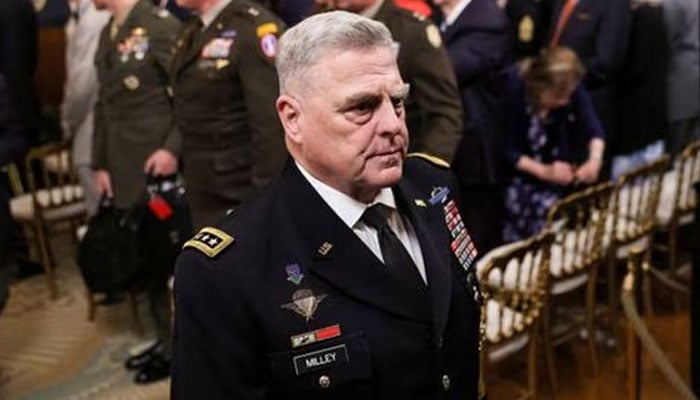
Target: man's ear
<point x="289" y="113"/>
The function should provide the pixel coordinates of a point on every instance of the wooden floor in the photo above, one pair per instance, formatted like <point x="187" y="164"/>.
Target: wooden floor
<point x="672" y="332"/>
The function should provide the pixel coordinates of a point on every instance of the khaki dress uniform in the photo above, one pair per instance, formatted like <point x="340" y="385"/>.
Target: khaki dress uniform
<point x="225" y="86"/>
<point x="133" y="115"/>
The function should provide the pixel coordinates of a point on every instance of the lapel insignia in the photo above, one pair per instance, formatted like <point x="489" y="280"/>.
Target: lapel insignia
<point x="294" y="273"/>
<point x="433" y="34"/>
<point x="325" y="249"/>
<point x="420" y="203"/>
<point x="132" y="82"/>
<point x="438" y="195"/>
<point x="210" y="241"/>
<point x="526" y="29"/>
<point x="318" y="335"/>
<point x="304" y="303"/>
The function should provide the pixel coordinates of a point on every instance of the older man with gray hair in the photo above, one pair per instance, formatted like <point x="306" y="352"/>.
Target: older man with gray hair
<point x="351" y="276"/>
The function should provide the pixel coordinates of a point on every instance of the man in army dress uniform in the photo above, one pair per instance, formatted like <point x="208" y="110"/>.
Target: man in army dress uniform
<point x="134" y="131"/>
<point x="225" y="86"/>
<point x="433" y="107"/>
<point x="351" y="276"/>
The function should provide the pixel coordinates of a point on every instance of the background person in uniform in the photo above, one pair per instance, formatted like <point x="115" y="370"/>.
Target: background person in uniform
<point x="555" y="139"/>
<point x="475" y="33"/>
<point x="529" y="25"/>
<point x="433" y="109"/>
<point x="225" y="86"/>
<point x="80" y="91"/>
<point x="337" y="282"/>
<point x="135" y="133"/>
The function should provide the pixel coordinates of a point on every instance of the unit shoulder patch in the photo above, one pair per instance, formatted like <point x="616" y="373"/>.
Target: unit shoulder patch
<point x="210" y="241"/>
<point x="431" y="159"/>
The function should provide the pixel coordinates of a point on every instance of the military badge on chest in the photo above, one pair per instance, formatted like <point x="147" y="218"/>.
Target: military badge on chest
<point x="215" y="54"/>
<point x="461" y="245"/>
<point x="135" y="46"/>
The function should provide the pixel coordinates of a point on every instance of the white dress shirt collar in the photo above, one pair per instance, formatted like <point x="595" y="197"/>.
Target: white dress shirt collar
<point x="348" y="209"/>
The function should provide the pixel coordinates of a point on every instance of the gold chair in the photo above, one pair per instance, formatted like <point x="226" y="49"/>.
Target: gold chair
<point x="578" y="224"/>
<point x="677" y="203"/>
<point x="514" y="285"/>
<point x="631" y="222"/>
<point x="54" y="196"/>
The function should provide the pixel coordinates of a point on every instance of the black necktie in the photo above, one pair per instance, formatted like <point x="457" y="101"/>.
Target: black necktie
<point x="397" y="260"/>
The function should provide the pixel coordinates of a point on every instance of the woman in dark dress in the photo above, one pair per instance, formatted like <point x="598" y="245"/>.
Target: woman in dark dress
<point x="555" y="138"/>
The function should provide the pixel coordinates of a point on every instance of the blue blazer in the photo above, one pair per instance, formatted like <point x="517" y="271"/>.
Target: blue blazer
<point x="569" y="128"/>
<point x="479" y="48"/>
<point x="232" y="336"/>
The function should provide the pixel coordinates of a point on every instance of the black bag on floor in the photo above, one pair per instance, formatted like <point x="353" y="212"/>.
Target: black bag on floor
<point x="108" y="253"/>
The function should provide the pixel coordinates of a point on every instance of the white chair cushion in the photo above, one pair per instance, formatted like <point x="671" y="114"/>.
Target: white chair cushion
<point x="22" y="207"/>
<point x="667" y="200"/>
<point x="54" y="164"/>
<point x="497" y="334"/>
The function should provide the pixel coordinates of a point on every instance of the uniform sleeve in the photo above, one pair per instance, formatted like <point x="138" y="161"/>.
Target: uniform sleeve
<point x="99" y="143"/>
<point x="163" y="51"/>
<point x="217" y="353"/>
<point x="435" y="89"/>
<point x="260" y="90"/>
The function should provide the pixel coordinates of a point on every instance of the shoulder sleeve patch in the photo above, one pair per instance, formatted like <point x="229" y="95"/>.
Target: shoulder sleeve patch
<point x="210" y="241"/>
<point x="431" y="159"/>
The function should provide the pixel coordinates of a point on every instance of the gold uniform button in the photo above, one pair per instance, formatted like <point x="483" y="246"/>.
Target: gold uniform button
<point x="324" y="381"/>
<point x="446" y="382"/>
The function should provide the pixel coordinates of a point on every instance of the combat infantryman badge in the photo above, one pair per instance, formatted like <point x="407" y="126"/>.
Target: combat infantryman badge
<point x="304" y="303"/>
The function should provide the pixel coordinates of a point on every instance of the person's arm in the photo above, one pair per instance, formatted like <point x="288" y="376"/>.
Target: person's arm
<point x="164" y="161"/>
<point x="592" y="127"/>
<point x="260" y="89"/>
<point x="559" y="172"/>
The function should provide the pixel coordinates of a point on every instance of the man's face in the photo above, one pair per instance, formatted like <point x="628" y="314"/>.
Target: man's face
<point x="350" y="130"/>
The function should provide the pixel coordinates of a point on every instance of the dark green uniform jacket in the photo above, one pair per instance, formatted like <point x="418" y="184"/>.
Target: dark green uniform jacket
<point x="133" y="116"/>
<point x="433" y="109"/>
<point x="225" y="87"/>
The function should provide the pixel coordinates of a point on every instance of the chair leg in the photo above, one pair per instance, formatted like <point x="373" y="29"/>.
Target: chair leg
<point x="46" y="260"/>
<point x="532" y="364"/>
<point x="646" y="286"/>
<point x="673" y="260"/>
<point x="613" y="301"/>
<point x="548" y="340"/>
<point x="590" y="323"/>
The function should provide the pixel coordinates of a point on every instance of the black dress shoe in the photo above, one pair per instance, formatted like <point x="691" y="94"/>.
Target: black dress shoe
<point x="156" y="369"/>
<point x="141" y="359"/>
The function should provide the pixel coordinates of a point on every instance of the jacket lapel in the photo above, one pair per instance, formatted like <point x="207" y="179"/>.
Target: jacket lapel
<point x="428" y="223"/>
<point x="339" y="257"/>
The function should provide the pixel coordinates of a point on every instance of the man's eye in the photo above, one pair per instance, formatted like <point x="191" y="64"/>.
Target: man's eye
<point x="365" y="107"/>
<point x="397" y="102"/>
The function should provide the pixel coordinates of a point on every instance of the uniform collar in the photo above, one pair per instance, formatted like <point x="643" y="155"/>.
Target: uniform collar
<point x="348" y="209"/>
<point x="211" y="14"/>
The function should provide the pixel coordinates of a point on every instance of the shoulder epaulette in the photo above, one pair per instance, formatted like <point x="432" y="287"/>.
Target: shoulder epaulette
<point x="437" y="161"/>
<point x="210" y="241"/>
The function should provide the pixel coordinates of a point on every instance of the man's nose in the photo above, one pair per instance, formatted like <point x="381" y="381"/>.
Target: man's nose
<point x="390" y="120"/>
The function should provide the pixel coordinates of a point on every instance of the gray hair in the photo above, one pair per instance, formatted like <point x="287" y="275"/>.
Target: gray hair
<point x="302" y="46"/>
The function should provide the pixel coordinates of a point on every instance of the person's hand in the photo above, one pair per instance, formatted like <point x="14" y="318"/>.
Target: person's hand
<point x="103" y="183"/>
<point x="588" y="171"/>
<point x="161" y="163"/>
<point x="559" y="172"/>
